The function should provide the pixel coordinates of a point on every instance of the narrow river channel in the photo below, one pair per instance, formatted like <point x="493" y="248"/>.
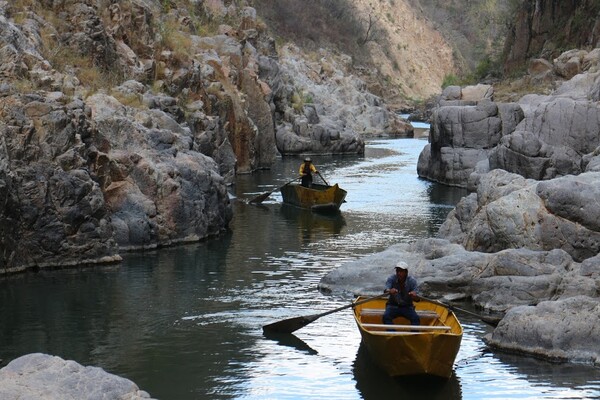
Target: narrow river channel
<point x="186" y="322"/>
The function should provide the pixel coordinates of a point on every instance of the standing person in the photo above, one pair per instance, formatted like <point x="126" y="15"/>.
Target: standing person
<point x="403" y="291"/>
<point x="306" y="170"/>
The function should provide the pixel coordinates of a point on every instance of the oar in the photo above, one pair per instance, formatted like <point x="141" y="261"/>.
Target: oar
<point x="261" y="197"/>
<point x="293" y="324"/>
<point x="321" y="176"/>
<point x="493" y="321"/>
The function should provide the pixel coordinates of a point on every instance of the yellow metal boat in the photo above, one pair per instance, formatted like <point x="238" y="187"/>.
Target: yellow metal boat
<point x="317" y="198"/>
<point x="403" y="349"/>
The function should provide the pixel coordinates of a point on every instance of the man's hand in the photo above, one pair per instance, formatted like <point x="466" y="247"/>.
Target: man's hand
<point x="392" y="291"/>
<point x="414" y="296"/>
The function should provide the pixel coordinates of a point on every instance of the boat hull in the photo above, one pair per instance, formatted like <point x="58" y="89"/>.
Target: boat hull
<point x="429" y="351"/>
<point x="317" y="198"/>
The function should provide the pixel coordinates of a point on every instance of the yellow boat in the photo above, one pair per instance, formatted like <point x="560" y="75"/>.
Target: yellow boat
<point x="427" y="349"/>
<point x="317" y="198"/>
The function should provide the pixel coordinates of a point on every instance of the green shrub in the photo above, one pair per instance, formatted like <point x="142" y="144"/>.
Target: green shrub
<point x="450" y="80"/>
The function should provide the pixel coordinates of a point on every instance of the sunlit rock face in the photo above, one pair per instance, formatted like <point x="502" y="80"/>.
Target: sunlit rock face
<point x="38" y="376"/>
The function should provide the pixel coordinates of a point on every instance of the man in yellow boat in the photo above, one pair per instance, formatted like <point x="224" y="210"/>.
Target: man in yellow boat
<point x="403" y="291"/>
<point x="306" y="170"/>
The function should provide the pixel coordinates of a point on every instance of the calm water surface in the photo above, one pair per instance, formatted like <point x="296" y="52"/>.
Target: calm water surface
<point x="186" y="322"/>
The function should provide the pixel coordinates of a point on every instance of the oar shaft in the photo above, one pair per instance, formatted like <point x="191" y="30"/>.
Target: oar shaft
<point x="352" y="304"/>
<point x="292" y="324"/>
<point x="321" y="176"/>
<point x="261" y="197"/>
<point x="451" y="307"/>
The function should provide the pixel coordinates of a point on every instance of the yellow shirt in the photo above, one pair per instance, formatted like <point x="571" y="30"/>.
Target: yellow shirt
<point x="311" y="168"/>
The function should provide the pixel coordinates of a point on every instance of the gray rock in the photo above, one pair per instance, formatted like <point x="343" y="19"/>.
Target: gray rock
<point x="513" y="212"/>
<point x="477" y="92"/>
<point x="524" y="153"/>
<point x="567" y="122"/>
<point x="565" y="330"/>
<point x="461" y="137"/>
<point x="451" y="93"/>
<point x="42" y="376"/>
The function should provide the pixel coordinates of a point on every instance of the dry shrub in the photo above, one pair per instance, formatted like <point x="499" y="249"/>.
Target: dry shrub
<point x="130" y="100"/>
<point x="316" y="23"/>
<point x="172" y="39"/>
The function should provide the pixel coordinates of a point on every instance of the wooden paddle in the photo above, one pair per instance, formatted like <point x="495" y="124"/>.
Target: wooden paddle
<point x="321" y="176"/>
<point x="493" y="321"/>
<point x="293" y="324"/>
<point x="262" y="197"/>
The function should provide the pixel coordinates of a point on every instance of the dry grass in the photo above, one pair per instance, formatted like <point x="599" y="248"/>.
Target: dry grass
<point x="511" y="90"/>
<point x="129" y="100"/>
<point x="171" y="38"/>
<point x="24" y="86"/>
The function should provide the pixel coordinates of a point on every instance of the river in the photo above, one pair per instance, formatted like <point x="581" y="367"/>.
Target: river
<point x="186" y="322"/>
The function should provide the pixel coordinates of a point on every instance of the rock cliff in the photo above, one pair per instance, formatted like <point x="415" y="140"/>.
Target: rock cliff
<point x="546" y="28"/>
<point x="122" y="127"/>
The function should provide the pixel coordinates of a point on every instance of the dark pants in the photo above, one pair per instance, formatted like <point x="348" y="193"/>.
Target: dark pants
<point x="393" y="311"/>
<point x="307" y="180"/>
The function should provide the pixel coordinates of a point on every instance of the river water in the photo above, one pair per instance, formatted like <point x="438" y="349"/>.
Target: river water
<point x="186" y="322"/>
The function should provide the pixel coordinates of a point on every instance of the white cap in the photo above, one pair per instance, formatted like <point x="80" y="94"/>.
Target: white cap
<point x="402" y="265"/>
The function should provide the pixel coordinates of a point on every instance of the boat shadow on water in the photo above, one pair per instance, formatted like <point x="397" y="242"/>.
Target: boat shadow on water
<point x="373" y="383"/>
<point x="309" y="221"/>
<point x="290" y="340"/>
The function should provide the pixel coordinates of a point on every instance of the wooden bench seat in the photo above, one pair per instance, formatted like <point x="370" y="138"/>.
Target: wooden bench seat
<point x="375" y="316"/>
<point x="408" y="327"/>
<point x="379" y="311"/>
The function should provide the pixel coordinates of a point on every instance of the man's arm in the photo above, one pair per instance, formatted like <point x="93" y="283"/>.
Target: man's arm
<point x="412" y="287"/>
<point x="388" y="285"/>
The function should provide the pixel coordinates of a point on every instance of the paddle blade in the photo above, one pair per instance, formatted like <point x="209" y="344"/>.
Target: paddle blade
<point x="260" y="198"/>
<point x="291" y="324"/>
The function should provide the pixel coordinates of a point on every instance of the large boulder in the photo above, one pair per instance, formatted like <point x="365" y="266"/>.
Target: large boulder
<point x="509" y="211"/>
<point x="42" y="376"/>
<point x="461" y="137"/>
<point x="563" y="330"/>
<point x="158" y="189"/>
<point x="54" y="211"/>
<point x="495" y="282"/>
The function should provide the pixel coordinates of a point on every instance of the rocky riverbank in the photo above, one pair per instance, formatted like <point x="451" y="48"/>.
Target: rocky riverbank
<point x="123" y="127"/>
<point x="525" y="242"/>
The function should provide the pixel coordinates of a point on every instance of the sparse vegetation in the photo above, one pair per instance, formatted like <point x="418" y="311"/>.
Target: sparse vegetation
<point x="319" y="23"/>
<point x="130" y="100"/>
<point x="171" y="38"/>
<point x="476" y="29"/>
<point x="450" y="80"/>
<point x="299" y="100"/>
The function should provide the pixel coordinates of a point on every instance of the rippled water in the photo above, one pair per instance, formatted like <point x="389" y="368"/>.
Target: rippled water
<point x="186" y="322"/>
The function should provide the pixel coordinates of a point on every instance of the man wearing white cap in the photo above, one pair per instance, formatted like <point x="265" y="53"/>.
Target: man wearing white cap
<point x="307" y="168"/>
<point x="403" y="291"/>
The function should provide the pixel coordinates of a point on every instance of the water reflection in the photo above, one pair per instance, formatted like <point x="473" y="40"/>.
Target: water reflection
<point x="373" y="383"/>
<point x="290" y="340"/>
<point x="311" y="224"/>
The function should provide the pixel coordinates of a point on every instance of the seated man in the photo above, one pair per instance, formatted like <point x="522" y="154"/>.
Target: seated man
<point x="403" y="291"/>
<point x="306" y="170"/>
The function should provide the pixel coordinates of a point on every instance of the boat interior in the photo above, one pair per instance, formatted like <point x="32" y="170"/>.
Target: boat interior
<point x="372" y="320"/>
